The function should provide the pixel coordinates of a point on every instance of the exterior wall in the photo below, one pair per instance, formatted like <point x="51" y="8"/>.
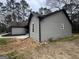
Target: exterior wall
<point x="51" y="27"/>
<point x="35" y="34"/>
<point x="18" y="31"/>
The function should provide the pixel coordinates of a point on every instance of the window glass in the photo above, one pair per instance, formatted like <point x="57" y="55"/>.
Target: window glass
<point x="32" y="27"/>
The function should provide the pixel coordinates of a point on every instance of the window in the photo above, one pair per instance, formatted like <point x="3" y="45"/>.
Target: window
<point x="32" y="27"/>
<point x="62" y="26"/>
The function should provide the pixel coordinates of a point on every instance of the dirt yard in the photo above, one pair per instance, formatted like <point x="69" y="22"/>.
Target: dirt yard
<point x="66" y="48"/>
<point x="17" y="45"/>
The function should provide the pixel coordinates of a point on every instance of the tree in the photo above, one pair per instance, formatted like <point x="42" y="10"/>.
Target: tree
<point x="8" y="19"/>
<point x="68" y="5"/>
<point x="8" y="5"/>
<point x="15" y="11"/>
<point x="55" y="4"/>
<point x="44" y="11"/>
<point x="71" y="9"/>
<point x="2" y="28"/>
<point x="0" y="6"/>
<point x="3" y="8"/>
<point x="24" y="5"/>
<point x="13" y="17"/>
<point x="18" y="7"/>
<point x="12" y="4"/>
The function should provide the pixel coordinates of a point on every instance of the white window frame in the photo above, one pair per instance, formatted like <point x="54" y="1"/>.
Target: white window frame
<point x="62" y="26"/>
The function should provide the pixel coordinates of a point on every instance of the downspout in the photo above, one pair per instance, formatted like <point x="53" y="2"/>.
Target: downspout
<point x="39" y="31"/>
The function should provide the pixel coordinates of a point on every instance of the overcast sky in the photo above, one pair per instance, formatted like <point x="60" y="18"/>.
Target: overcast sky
<point x="34" y="4"/>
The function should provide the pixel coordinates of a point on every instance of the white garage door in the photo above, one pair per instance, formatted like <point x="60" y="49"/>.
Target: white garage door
<point x="18" y="31"/>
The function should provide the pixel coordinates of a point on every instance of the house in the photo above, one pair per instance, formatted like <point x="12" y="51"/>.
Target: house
<point x="18" y="28"/>
<point x="54" y="25"/>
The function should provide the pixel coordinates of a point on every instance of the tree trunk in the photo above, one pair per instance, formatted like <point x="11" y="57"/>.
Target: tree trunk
<point x="23" y="14"/>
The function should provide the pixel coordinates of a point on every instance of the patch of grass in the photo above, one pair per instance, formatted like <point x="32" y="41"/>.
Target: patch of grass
<point x="3" y="41"/>
<point x="24" y="55"/>
<point x="71" y="38"/>
<point x="12" y="55"/>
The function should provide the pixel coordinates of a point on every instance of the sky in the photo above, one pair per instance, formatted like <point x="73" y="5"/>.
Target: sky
<point x="34" y="4"/>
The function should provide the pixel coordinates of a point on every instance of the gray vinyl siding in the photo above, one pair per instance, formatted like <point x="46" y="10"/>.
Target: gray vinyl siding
<point x="35" y="34"/>
<point x="51" y="27"/>
<point x="18" y="31"/>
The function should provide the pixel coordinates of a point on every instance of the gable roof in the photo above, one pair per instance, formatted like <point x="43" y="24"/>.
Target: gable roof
<point x="17" y="24"/>
<point x="45" y="16"/>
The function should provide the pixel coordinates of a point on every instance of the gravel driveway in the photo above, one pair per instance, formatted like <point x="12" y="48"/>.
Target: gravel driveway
<point x="17" y="37"/>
